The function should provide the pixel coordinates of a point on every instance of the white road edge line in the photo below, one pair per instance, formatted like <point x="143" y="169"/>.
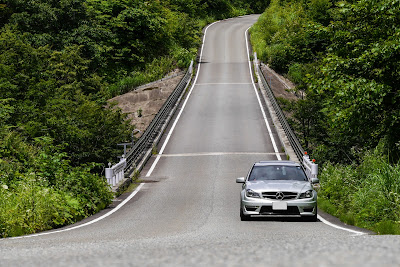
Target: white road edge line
<point x="278" y="156"/>
<point x="183" y="107"/>
<point x="356" y="233"/>
<point x="88" y="223"/>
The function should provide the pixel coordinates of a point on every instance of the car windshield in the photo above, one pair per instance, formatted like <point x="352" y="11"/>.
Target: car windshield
<point x="277" y="173"/>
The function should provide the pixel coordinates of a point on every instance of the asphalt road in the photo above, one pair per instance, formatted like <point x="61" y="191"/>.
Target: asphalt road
<point x="187" y="212"/>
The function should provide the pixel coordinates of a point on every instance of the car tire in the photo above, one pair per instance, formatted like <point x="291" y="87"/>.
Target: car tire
<point x="242" y="216"/>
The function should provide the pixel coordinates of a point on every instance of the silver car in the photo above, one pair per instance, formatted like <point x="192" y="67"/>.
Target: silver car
<point x="278" y="188"/>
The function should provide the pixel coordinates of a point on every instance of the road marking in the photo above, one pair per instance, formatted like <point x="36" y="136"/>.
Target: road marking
<point x="356" y="233"/>
<point x="278" y="156"/>
<point x="183" y="107"/>
<point x="88" y="223"/>
<point x="205" y="84"/>
<point x="216" y="154"/>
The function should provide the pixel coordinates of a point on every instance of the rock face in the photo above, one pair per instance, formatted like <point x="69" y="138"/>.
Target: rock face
<point x="281" y="86"/>
<point x="143" y="104"/>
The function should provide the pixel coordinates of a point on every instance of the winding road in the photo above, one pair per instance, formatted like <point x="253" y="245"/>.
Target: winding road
<point x="186" y="211"/>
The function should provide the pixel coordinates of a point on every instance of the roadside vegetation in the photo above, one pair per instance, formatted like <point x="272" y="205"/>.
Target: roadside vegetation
<point x="59" y="63"/>
<point x="344" y="58"/>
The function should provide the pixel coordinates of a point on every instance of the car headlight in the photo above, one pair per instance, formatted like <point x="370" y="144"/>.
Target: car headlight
<point x="307" y="194"/>
<point x="251" y="193"/>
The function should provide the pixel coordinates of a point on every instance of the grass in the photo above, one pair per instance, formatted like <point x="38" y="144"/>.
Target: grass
<point x="388" y="228"/>
<point x="366" y="195"/>
<point x="132" y="187"/>
<point x="154" y="150"/>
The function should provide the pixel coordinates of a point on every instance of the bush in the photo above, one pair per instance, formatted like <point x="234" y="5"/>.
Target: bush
<point x="367" y="196"/>
<point x="40" y="190"/>
<point x="27" y="207"/>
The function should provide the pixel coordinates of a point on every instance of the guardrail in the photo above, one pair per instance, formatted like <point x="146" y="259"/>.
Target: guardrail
<point x="310" y="167"/>
<point x="114" y="174"/>
<point x="141" y="150"/>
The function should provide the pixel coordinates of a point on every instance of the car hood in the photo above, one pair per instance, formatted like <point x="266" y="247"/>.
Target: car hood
<point x="278" y="185"/>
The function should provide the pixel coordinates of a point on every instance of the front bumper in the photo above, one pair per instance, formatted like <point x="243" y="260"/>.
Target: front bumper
<point x="295" y="207"/>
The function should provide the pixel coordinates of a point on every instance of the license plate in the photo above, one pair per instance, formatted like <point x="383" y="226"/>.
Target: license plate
<point x="279" y="205"/>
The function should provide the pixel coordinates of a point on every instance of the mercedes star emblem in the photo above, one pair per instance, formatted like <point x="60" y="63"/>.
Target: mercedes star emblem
<point x="279" y="196"/>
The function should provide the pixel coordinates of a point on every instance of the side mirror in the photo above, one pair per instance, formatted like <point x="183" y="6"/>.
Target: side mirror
<point x="240" y="180"/>
<point x="314" y="180"/>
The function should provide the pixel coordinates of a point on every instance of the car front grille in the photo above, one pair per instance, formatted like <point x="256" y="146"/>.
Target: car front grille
<point x="291" y="210"/>
<point x="280" y="195"/>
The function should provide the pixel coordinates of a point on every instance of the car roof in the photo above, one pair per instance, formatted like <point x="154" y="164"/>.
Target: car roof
<point x="276" y="162"/>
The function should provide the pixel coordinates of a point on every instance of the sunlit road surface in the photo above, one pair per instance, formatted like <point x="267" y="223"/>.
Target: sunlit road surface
<point x="187" y="213"/>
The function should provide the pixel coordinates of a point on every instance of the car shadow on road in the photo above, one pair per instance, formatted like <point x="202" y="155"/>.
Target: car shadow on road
<point x="282" y="219"/>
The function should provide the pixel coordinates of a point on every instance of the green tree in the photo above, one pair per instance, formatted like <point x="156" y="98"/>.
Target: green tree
<point x="351" y="65"/>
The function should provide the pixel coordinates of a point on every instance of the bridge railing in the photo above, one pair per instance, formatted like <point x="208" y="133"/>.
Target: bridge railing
<point x="115" y="174"/>
<point x="141" y="150"/>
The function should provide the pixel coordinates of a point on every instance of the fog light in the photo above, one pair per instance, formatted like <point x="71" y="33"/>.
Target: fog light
<point x="251" y="208"/>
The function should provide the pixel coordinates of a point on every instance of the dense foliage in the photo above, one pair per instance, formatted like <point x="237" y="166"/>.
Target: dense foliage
<point x="344" y="57"/>
<point x="346" y="63"/>
<point x="59" y="63"/>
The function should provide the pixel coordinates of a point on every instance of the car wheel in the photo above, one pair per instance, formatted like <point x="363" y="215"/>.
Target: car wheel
<point x="242" y="216"/>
